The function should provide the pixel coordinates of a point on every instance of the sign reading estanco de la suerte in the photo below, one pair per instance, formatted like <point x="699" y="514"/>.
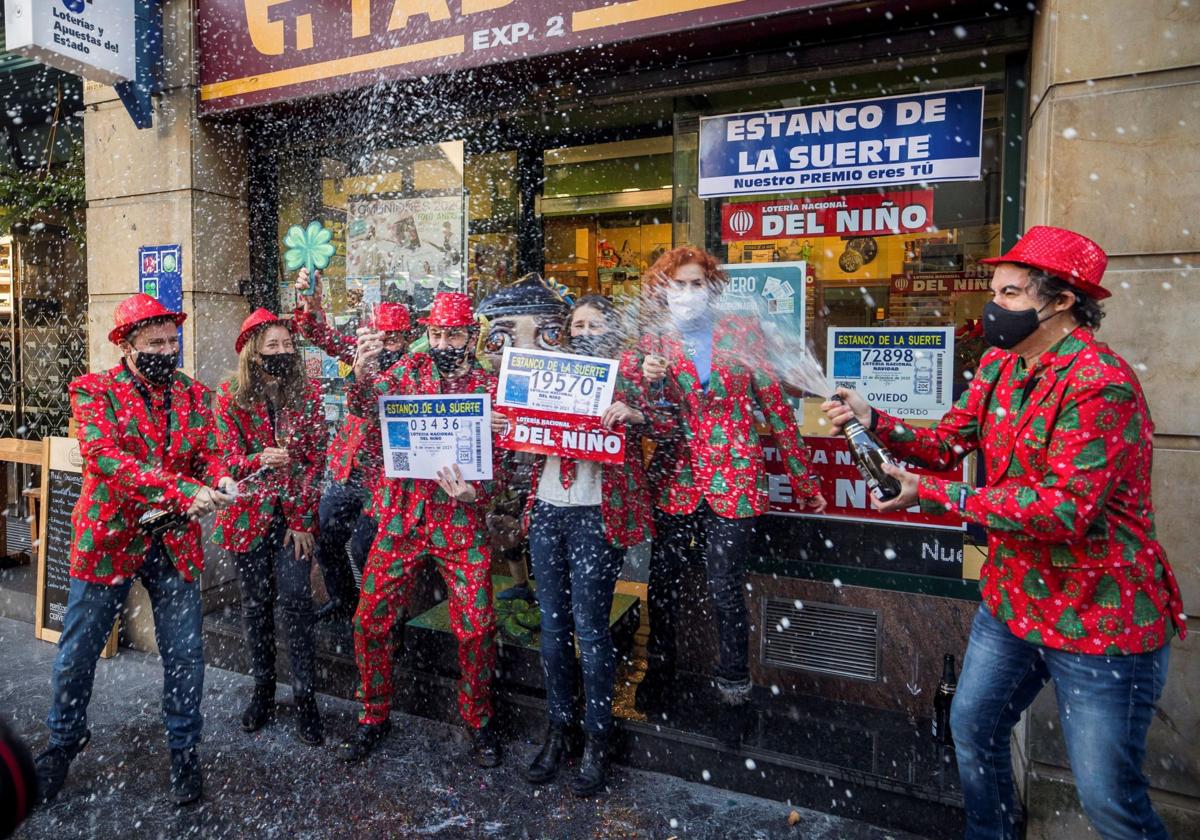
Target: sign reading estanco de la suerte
<point x="94" y="40"/>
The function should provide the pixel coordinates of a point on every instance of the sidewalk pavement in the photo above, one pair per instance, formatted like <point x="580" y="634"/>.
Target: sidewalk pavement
<point x="420" y="783"/>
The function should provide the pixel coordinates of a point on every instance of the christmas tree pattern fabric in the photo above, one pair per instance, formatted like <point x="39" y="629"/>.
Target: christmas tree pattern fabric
<point x="139" y="455"/>
<point x="419" y="521"/>
<point x="294" y="490"/>
<point x="1073" y="562"/>
<point x="624" y="492"/>
<point x="356" y="443"/>
<point x="719" y="458"/>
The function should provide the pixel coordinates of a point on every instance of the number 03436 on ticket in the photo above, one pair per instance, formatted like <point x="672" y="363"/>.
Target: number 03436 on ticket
<point x="559" y="382"/>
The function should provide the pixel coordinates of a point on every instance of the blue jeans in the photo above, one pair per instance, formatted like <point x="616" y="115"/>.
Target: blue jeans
<point x="342" y="520"/>
<point x="576" y="570"/>
<point x="267" y="569"/>
<point x="1105" y="705"/>
<point x="91" y="610"/>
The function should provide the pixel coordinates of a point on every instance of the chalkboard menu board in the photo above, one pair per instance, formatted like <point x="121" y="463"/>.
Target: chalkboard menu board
<point x="62" y="481"/>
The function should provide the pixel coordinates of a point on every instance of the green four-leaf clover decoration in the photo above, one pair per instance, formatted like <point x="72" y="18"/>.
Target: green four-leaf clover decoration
<point x="309" y="247"/>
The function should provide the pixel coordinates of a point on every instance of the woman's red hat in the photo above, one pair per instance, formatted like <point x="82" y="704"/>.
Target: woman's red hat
<point x="1069" y="256"/>
<point x="136" y="309"/>
<point x="254" y="321"/>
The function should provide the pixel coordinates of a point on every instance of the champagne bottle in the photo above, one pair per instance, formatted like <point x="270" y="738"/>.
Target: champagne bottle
<point x="869" y="456"/>
<point x="942" y="699"/>
<point x="157" y="522"/>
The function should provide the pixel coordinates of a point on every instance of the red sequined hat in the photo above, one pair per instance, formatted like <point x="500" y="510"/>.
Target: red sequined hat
<point x="450" y="309"/>
<point x="135" y="309"/>
<point x="1068" y="255"/>
<point x="392" y="317"/>
<point x="258" y="318"/>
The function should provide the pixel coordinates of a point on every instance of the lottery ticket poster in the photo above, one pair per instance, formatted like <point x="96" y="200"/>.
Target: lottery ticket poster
<point x="557" y="382"/>
<point x="907" y="371"/>
<point x="422" y="434"/>
<point x="583" y="438"/>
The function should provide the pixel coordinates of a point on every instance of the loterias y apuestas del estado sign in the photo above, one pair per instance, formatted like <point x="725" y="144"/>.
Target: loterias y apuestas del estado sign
<point x="94" y="40"/>
<point x="253" y="52"/>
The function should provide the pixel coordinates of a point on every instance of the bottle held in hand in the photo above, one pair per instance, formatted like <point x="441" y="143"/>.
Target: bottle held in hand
<point x="155" y="523"/>
<point x="869" y="456"/>
<point x="942" y="699"/>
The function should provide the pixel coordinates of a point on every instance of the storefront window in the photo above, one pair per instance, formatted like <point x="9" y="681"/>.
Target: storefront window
<point x="396" y="216"/>
<point x="606" y="211"/>
<point x="873" y="260"/>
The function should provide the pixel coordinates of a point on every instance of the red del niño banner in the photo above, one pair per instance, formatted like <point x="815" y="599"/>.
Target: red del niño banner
<point x="906" y="211"/>
<point x="845" y="489"/>
<point x="567" y="435"/>
<point x="253" y="52"/>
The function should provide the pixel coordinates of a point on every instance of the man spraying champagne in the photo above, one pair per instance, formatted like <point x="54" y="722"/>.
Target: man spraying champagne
<point x="1076" y="589"/>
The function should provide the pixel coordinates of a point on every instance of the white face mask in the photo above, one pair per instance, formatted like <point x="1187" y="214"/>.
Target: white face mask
<point x="687" y="305"/>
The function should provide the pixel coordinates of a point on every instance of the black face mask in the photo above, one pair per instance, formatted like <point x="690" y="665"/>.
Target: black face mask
<point x="448" y="359"/>
<point x="387" y="358"/>
<point x="155" y="367"/>
<point x="591" y="345"/>
<point x="1006" y="328"/>
<point x="279" y="365"/>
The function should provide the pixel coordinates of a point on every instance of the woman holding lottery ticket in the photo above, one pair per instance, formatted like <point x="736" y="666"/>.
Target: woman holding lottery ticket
<point x="710" y="480"/>
<point x="271" y="428"/>
<point x="581" y="517"/>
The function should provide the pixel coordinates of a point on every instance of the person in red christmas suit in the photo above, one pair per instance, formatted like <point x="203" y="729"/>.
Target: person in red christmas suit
<point x="419" y="520"/>
<point x="354" y="455"/>
<point x="148" y="443"/>
<point x="1076" y="589"/>
<point x="711" y="480"/>
<point x="271" y="427"/>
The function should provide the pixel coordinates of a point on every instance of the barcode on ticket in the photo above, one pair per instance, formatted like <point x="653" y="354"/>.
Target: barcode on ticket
<point x="400" y="461"/>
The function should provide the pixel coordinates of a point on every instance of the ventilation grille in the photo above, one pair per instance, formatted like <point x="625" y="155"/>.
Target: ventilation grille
<point x="824" y="638"/>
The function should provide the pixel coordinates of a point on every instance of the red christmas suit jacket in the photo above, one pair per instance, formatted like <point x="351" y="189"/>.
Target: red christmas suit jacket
<point x="296" y="489"/>
<point x="131" y="465"/>
<point x="719" y="456"/>
<point x="1073" y="562"/>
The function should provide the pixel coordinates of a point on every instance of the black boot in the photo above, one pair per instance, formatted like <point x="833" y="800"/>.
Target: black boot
<point x="187" y="785"/>
<point x="485" y="747"/>
<point x="593" y="767"/>
<point x="366" y="738"/>
<point x="308" y="721"/>
<point x="655" y="692"/>
<point x="261" y="710"/>
<point x="545" y="765"/>
<point x="52" y="765"/>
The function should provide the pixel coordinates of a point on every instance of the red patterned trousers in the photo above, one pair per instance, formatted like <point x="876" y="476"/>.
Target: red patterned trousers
<point x="387" y="584"/>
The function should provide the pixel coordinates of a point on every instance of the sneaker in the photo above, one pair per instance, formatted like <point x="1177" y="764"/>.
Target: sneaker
<point x="485" y="747"/>
<point x="308" y="722"/>
<point x="52" y="765"/>
<point x="187" y="785"/>
<point x="366" y="738"/>
<point x="261" y="709"/>
<point x="734" y="692"/>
